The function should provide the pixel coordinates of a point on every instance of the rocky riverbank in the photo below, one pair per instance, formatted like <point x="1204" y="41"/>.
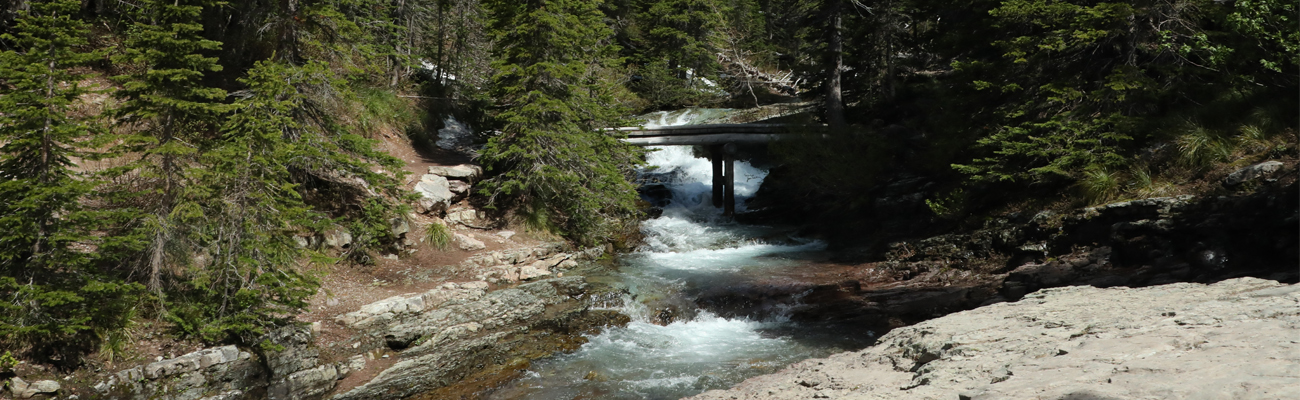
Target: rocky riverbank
<point x="1133" y="243"/>
<point x="1235" y="339"/>
<point x="454" y="340"/>
<point x="445" y="322"/>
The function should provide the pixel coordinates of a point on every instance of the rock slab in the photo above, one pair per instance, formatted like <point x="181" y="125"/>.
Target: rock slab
<point x="1252" y="172"/>
<point x="1235" y="339"/>
<point x="25" y="390"/>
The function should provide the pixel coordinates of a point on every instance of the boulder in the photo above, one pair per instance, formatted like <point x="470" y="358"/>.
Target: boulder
<point x="463" y="217"/>
<point x="399" y="226"/>
<point x="1252" y="172"/>
<point x="463" y="172"/>
<point x="338" y="238"/>
<point x="459" y="188"/>
<point x="436" y="190"/>
<point x="468" y="243"/>
<point x="23" y="390"/>
<point x="531" y="272"/>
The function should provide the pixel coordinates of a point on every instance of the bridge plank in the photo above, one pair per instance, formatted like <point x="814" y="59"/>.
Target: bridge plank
<point x="687" y="130"/>
<point x="703" y="139"/>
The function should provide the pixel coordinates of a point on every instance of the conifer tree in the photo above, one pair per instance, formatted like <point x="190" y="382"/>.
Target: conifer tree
<point x="172" y="114"/>
<point x="55" y="297"/>
<point x="678" y="47"/>
<point x="252" y="212"/>
<point x="556" y="93"/>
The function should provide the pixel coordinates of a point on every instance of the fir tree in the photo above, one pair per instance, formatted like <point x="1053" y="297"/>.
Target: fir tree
<point x="172" y="115"/>
<point x="56" y="299"/>
<point x="677" y="49"/>
<point x="556" y="93"/>
<point x="252" y="211"/>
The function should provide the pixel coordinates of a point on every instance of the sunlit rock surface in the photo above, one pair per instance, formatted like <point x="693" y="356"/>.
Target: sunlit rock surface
<point x="1235" y="339"/>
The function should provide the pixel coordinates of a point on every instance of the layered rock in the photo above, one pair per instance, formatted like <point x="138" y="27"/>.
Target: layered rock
<point x="511" y="266"/>
<point x="213" y="373"/>
<point x="1233" y="339"/>
<point x="445" y="185"/>
<point x="24" y="390"/>
<point x="293" y="372"/>
<point x="448" y="333"/>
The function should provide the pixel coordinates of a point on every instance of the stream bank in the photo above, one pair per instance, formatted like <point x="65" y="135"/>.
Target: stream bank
<point x="743" y="286"/>
<point x="1232" y="339"/>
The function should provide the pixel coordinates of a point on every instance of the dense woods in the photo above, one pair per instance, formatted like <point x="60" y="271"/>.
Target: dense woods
<point x="160" y="157"/>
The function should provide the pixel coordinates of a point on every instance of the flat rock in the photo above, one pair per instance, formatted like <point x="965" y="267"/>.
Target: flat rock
<point x="1252" y="172"/>
<point x="24" y="390"/>
<point x="459" y="188"/>
<point x="435" y="188"/>
<point x="468" y="243"/>
<point x="1234" y="339"/>
<point x="465" y="172"/>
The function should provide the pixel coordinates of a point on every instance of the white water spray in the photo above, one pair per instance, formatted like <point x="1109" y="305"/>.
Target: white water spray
<point x="690" y="247"/>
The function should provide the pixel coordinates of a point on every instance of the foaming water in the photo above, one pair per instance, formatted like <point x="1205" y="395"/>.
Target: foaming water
<point x="690" y="248"/>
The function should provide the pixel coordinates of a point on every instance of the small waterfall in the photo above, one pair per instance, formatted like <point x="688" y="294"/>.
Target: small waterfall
<point x="688" y="249"/>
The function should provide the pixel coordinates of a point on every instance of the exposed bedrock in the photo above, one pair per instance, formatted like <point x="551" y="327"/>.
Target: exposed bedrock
<point x="1235" y="339"/>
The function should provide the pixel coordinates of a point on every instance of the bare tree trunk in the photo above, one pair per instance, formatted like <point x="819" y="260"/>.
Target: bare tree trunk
<point x="156" y="261"/>
<point x="834" y="65"/>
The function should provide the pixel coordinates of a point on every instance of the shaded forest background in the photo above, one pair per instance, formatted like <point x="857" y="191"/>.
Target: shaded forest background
<point x="163" y="159"/>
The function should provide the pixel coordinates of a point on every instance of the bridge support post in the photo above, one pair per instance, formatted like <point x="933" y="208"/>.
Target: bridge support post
<point x="729" y="199"/>
<point x="715" y="155"/>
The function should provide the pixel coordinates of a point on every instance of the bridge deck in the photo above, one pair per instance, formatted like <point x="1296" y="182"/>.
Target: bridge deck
<point x="713" y="134"/>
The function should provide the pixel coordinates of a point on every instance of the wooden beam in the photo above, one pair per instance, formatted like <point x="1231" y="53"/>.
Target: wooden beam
<point x="702" y="139"/>
<point x="687" y="130"/>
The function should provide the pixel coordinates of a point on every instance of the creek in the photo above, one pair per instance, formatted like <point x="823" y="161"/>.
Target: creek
<point x="672" y="348"/>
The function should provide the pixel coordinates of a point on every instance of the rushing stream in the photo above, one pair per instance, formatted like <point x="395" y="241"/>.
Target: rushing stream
<point x="690" y="249"/>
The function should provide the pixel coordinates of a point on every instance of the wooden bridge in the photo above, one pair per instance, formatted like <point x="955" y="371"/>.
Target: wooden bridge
<point x="710" y="134"/>
<point x="721" y="140"/>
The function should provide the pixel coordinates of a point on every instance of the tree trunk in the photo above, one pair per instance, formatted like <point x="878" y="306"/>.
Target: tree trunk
<point x="834" y="65"/>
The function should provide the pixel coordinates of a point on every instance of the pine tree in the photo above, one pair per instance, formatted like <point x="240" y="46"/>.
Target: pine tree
<point x="252" y="211"/>
<point x="678" y="49"/>
<point x="556" y="93"/>
<point x="172" y="115"/>
<point x="56" y="297"/>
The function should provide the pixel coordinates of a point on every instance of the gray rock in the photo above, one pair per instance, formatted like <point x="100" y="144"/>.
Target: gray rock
<point x="468" y="243"/>
<point x="306" y="384"/>
<point x="460" y="321"/>
<point x="24" y="390"/>
<point x="1252" y="172"/>
<point x="531" y="272"/>
<point x="464" y="172"/>
<point x="338" y="238"/>
<point x="190" y="377"/>
<point x="399" y="226"/>
<point x="299" y="352"/>
<point x="460" y="189"/>
<point x="463" y="217"/>
<point x="1230" y="340"/>
<point x="436" y="190"/>
<point x="357" y="363"/>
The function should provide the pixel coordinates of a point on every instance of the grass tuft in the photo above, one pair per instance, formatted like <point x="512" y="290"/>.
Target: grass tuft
<point x="438" y="236"/>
